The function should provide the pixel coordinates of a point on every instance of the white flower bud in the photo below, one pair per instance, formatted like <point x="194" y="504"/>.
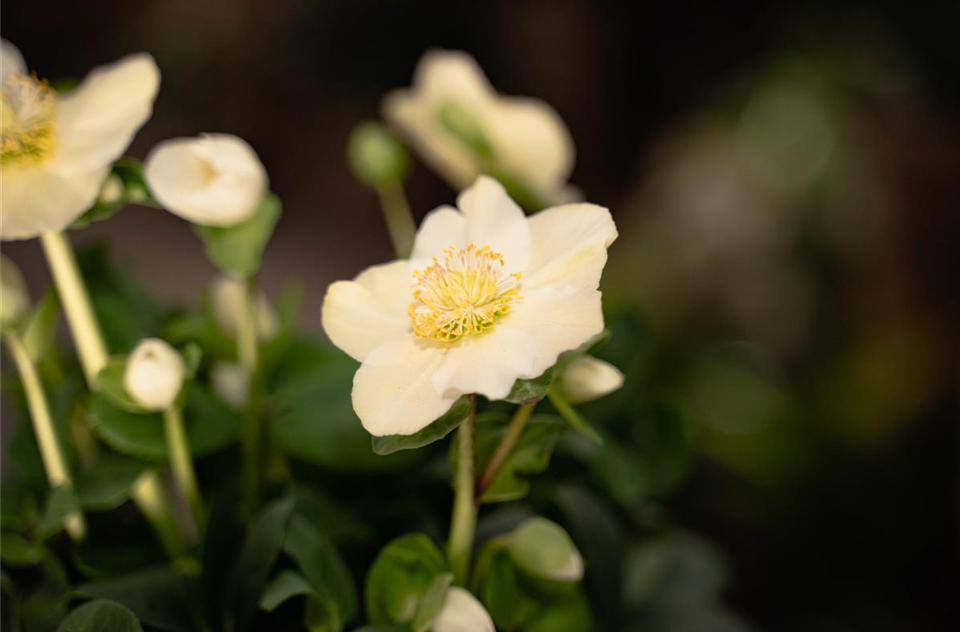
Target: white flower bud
<point x="542" y="548"/>
<point x="231" y="382"/>
<point x="112" y="190"/>
<point x="588" y="378"/>
<point x="154" y="374"/>
<point x="212" y="180"/>
<point x="227" y="295"/>
<point x="462" y="612"/>
<point x="14" y="298"/>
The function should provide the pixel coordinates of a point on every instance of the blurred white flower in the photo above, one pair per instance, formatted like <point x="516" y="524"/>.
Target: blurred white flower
<point x="14" y="297"/>
<point x="496" y="296"/>
<point x="462" y="612"/>
<point x="526" y="139"/>
<point x="231" y="382"/>
<point x="227" y="296"/>
<point x="588" y="378"/>
<point x="211" y="180"/>
<point x="154" y="374"/>
<point x="56" y="150"/>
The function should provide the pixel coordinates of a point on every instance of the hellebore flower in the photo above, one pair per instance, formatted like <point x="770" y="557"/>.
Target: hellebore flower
<point x="587" y="378"/>
<point x="154" y="374"/>
<point x="211" y="180"/>
<point x="56" y="150"/>
<point x="488" y="296"/>
<point x="462" y="612"/>
<point x="462" y="127"/>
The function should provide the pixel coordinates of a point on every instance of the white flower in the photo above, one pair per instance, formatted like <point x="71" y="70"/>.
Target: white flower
<point x="212" y="180"/>
<point x="527" y="139"/>
<point x="227" y="295"/>
<point x="588" y="378"/>
<point x="56" y="150"/>
<point x="462" y="612"/>
<point x="231" y="381"/>
<point x="495" y="296"/>
<point x="154" y="374"/>
<point x="14" y="297"/>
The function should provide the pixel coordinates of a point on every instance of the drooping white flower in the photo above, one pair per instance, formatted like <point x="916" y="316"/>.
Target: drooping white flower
<point x="154" y="374"/>
<point x="14" y="297"/>
<point x="56" y="150"/>
<point x="525" y="137"/>
<point x="227" y="297"/>
<point x="489" y="296"/>
<point x="231" y="381"/>
<point x="212" y="180"/>
<point x="587" y="378"/>
<point x="462" y="612"/>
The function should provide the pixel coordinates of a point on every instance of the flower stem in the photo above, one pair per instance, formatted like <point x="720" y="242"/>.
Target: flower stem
<point x="76" y="304"/>
<point x="148" y="494"/>
<point x="181" y="463"/>
<point x="51" y="454"/>
<point x="247" y="353"/>
<point x="464" y="521"/>
<point x="503" y="449"/>
<point x="399" y="219"/>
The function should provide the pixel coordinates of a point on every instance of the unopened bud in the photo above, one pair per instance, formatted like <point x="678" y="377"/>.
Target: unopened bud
<point x="543" y="549"/>
<point x="462" y="612"/>
<point x="588" y="378"/>
<point x="375" y="156"/>
<point x="154" y="374"/>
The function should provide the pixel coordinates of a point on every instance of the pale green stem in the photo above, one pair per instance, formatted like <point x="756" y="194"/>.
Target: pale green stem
<point x="181" y="464"/>
<point x="464" y="521"/>
<point x="149" y="496"/>
<point x="247" y="329"/>
<point x="503" y="449"/>
<point x="51" y="454"/>
<point x="399" y="219"/>
<point x="248" y="357"/>
<point x="76" y="304"/>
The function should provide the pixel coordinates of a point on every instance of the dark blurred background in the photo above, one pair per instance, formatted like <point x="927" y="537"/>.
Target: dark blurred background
<point x="786" y="178"/>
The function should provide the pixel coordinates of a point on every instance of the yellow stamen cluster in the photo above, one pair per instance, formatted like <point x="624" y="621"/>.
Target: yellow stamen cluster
<point x="463" y="294"/>
<point x="28" y="109"/>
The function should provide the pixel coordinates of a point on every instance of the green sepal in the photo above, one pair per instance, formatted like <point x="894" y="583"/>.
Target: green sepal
<point x="237" y="250"/>
<point x="437" y="430"/>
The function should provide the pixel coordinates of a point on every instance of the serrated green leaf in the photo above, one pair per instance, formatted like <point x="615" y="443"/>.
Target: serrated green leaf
<point x="530" y="391"/>
<point x="111" y="385"/>
<point x="100" y="616"/>
<point x="237" y="250"/>
<point x="436" y="431"/>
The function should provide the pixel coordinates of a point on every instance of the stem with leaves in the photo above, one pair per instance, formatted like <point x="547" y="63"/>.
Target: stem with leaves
<point x="503" y="449"/>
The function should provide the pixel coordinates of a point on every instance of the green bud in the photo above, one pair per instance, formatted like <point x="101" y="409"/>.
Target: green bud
<point x="375" y="156"/>
<point x="461" y="122"/>
<point x="543" y="549"/>
<point x="14" y="298"/>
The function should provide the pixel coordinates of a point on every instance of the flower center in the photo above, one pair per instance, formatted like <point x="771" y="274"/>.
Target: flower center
<point x="28" y="108"/>
<point x="463" y="294"/>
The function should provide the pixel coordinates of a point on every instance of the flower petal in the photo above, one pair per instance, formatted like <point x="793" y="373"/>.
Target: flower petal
<point x="43" y="198"/>
<point x="11" y="61"/>
<point x="495" y="220"/>
<point x="487" y="364"/>
<point x="462" y="612"/>
<point x="392" y="390"/>
<point x="370" y="311"/>
<point x="444" y="226"/>
<point x="569" y="246"/>
<point x="556" y="320"/>
<point x="97" y="121"/>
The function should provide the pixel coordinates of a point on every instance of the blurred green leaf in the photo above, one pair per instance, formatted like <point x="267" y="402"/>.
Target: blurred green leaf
<point x="572" y="417"/>
<point x="100" y="616"/>
<point x="40" y="328"/>
<point x="158" y="597"/>
<point x="569" y="614"/>
<point x="237" y="249"/>
<point x="60" y="503"/>
<point x="431" y="602"/>
<point x="111" y="385"/>
<point x="285" y="586"/>
<point x="530" y="391"/>
<point x="107" y="484"/>
<point x="15" y="550"/>
<point x="400" y="577"/>
<point x="531" y="455"/>
<point x="437" y="430"/>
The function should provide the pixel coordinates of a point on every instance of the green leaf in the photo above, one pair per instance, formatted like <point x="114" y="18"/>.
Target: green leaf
<point x="431" y="602"/>
<point x="158" y="597"/>
<point x="285" y="586"/>
<point x="320" y="563"/>
<point x="569" y="614"/>
<point x="110" y="381"/>
<point x="572" y="417"/>
<point x="531" y="455"/>
<point x="60" y="503"/>
<point x="107" y="485"/>
<point x="437" y="430"/>
<point x="400" y="576"/>
<point x="316" y="421"/>
<point x="530" y="391"/>
<point x="210" y="426"/>
<point x="237" y="249"/>
<point x="15" y="550"/>
<point x="100" y="616"/>
<point x="40" y="328"/>
<point x="500" y="590"/>
<point x="257" y="558"/>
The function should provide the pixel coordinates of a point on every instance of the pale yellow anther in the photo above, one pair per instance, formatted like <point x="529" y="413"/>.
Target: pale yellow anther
<point x="465" y="293"/>
<point x="28" y="110"/>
